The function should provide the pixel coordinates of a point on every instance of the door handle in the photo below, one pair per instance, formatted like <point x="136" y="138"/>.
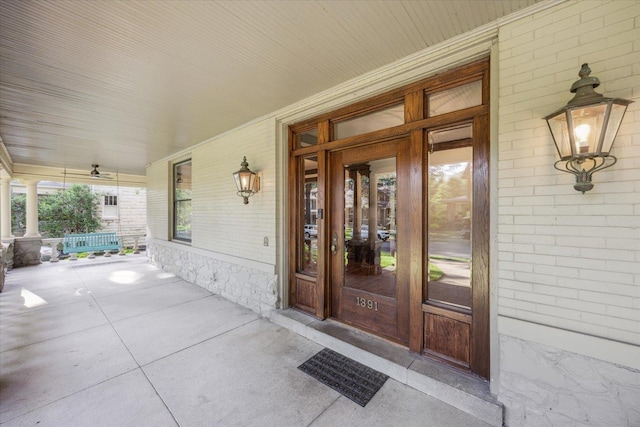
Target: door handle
<point x="334" y="244"/>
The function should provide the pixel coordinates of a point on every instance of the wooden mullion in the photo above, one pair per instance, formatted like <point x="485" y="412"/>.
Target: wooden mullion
<point x="399" y="131"/>
<point x="322" y="284"/>
<point x="414" y="111"/>
<point x="294" y="205"/>
<point x="367" y="108"/>
<point x="416" y="261"/>
<point x="480" y="307"/>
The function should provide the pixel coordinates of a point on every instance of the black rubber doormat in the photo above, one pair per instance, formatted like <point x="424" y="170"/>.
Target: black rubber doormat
<point x="346" y="376"/>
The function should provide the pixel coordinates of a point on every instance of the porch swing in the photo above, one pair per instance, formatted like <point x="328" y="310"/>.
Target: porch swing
<point x="106" y="242"/>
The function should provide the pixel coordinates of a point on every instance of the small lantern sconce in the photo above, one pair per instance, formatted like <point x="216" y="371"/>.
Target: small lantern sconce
<point x="584" y="129"/>
<point x="247" y="181"/>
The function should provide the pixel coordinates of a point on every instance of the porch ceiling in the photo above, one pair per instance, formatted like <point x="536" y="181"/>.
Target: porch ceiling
<point x="125" y="83"/>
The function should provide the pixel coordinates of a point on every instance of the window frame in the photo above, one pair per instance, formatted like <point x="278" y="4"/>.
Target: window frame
<point x="113" y="198"/>
<point x="176" y="201"/>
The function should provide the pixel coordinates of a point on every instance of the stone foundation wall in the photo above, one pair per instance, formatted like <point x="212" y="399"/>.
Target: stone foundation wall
<point x="27" y="251"/>
<point x="248" y="286"/>
<point x="8" y="247"/>
<point x="543" y="386"/>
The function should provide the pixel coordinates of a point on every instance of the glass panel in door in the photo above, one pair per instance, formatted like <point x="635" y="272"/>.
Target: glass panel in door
<point x="370" y="224"/>
<point x="449" y="226"/>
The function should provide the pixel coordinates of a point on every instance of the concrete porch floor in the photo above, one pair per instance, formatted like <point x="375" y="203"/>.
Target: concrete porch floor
<point x="118" y="342"/>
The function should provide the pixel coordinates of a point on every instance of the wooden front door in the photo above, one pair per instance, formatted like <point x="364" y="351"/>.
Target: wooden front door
<point x="367" y="238"/>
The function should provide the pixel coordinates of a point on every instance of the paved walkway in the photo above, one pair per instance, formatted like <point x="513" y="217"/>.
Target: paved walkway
<point x="117" y="342"/>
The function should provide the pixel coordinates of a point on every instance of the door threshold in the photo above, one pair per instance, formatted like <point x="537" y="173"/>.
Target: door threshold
<point x="461" y="390"/>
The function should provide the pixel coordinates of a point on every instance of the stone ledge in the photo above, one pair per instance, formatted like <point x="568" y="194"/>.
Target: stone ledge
<point x="456" y="388"/>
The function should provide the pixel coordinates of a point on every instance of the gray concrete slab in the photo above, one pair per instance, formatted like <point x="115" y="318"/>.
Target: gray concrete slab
<point x="18" y="299"/>
<point x="251" y="380"/>
<point x="123" y="305"/>
<point x="39" y="374"/>
<point x="161" y="333"/>
<point x="56" y="321"/>
<point x="205" y="361"/>
<point x="123" y="282"/>
<point x="126" y="400"/>
<point x="50" y="276"/>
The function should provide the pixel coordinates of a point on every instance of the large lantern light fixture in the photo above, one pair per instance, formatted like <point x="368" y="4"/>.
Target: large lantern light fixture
<point x="584" y="129"/>
<point x="247" y="181"/>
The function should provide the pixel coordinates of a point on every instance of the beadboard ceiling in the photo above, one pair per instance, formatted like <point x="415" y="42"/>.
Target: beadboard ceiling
<point x="125" y="83"/>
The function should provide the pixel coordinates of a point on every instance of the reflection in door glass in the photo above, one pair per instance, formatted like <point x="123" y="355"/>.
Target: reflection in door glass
<point x="370" y="225"/>
<point x="310" y="215"/>
<point x="449" y="226"/>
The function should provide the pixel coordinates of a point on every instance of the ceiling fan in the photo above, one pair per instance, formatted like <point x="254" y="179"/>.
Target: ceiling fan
<point x="95" y="173"/>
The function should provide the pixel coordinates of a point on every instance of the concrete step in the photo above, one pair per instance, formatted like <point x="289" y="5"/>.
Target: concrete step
<point x="452" y="386"/>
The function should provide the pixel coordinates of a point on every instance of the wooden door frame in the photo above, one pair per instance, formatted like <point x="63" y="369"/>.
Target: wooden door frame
<point x="416" y="122"/>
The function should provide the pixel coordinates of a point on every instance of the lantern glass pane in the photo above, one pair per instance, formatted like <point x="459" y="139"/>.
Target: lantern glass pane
<point x="236" y="177"/>
<point x="246" y="180"/>
<point x="559" y="129"/>
<point x="587" y="125"/>
<point x="615" y="118"/>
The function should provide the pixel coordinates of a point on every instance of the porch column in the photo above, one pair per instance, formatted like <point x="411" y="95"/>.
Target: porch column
<point x="32" y="209"/>
<point x="5" y="207"/>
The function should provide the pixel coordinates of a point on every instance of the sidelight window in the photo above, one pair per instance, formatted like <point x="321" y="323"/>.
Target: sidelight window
<point x="449" y="231"/>
<point x="309" y="256"/>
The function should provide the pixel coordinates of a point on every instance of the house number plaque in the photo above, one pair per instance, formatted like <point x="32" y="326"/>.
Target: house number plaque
<point x="367" y="303"/>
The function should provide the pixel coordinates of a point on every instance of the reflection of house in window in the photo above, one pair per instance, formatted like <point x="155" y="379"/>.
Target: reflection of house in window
<point x="311" y="202"/>
<point x="110" y="207"/>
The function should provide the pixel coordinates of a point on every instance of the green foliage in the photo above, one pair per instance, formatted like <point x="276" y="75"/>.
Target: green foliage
<point x="74" y="210"/>
<point x="18" y="211"/>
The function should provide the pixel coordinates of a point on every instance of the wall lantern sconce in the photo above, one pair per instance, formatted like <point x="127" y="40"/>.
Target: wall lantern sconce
<point x="247" y="182"/>
<point x="584" y="129"/>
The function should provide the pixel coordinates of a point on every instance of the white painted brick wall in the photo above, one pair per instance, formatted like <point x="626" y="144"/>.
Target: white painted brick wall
<point x="132" y="210"/>
<point x="221" y="225"/>
<point x="566" y="259"/>
<point x="221" y="222"/>
<point x="158" y="201"/>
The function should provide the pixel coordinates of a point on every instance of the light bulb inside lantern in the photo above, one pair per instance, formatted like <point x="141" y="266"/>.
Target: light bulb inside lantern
<point x="581" y="133"/>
